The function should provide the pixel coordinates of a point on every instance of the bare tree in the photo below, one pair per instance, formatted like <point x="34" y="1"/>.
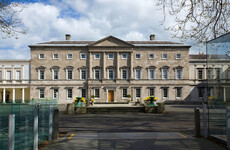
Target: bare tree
<point x="200" y="20"/>
<point x="10" y="24"/>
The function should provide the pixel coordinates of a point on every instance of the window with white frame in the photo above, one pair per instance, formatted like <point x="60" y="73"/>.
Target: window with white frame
<point x="151" y="73"/>
<point x="218" y="73"/>
<point x="124" y="56"/>
<point x="8" y="75"/>
<point x="178" y="74"/>
<point x="165" y="92"/>
<point x="69" y="74"/>
<point x="111" y="74"/>
<point x="200" y="74"/>
<point x="164" y="56"/>
<point x="83" y="74"/>
<point x="138" y="92"/>
<point x="97" y="93"/>
<point x="41" y="93"/>
<point x="97" y="74"/>
<point x="151" y="91"/>
<point x="151" y="56"/>
<point x="178" y="92"/>
<point x="18" y="75"/>
<point x="69" y="56"/>
<point x="110" y="56"/>
<point x="0" y="75"/>
<point x="178" y="56"/>
<point x="138" y="74"/>
<point x="41" y="56"/>
<point x="124" y="93"/>
<point x="209" y="74"/>
<point x="83" y="93"/>
<point x="97" y="56"/>
<point x="55" y="74"/>
<point x="82" y="56"/>
<point x="69" y="93"/>
<point x="55" y="93"/>
<point x="165" y="74"/>
<point x="41" y="74"/>
<point x="55" y="56"/>
<point x="137" y="56"/>
<point x="124" y="74"/>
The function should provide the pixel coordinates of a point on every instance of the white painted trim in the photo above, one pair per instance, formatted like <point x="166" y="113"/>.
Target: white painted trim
<point x="57" y="56"/>
<point x="110" y="54"/>
<point x="67" y="94"/>
<point x="135" y="73"/>
<point x="40" y="93"/>
<point x="68" y="57"/>
<point x="179" y="57"/>
<point x="163" y="55"/>
<point x="108" y="74"/>
<point x="83" y="54"/>
<point x="123" y="57"/>
<point x="40" y="57"/>
<point x="154" y="74"/>
<point x="94" y="72"/>
<point x="122" y="93"/>
<point x="94" y="55"/>
<point x="127" y="73"/>
<point x="136" y="56"/>
<point x="95" y="94"/>
<point x="149" y="56"/>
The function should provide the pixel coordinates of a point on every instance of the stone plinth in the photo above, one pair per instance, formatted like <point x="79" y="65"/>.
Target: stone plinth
<point x="70" y="109"/>
<point x="160" y="108"/>
<point x="80" y="110"/>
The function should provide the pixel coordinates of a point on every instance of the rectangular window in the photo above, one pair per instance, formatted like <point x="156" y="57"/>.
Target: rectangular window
<point x="137" y="56"/>
<point x="97" y="56"/>
<point x="178" y="92"/>
<point x="8" y="76"/>
<point x="218" y="73"/>
<point x="41" y="74"/>
<point x="83" y="56"/>
<point x="55" y="93"/>
<point x="69" y="93"/>
<point x="97" y="74"/>
<point x="164" y="73"/>
<point x="151" y="74"/>
<point x="69" y="74"/>
<point x="164" y="56"/>
<point x="200" y="74"/>
<point x="178" y="56"/>
<point x="124" y="74"/>
<point x="137" y="74"/>
<point x="178" y="74"/>
<point x="110" y="56"/>
<point x="83" y="93"/>
<point x="124" y="93"/>
<point x="151" y="56"/>
<point x="55" y="56"/>
<point x="201" y="92"/>
<point x="18" y="75"/>
<point x="138" y="93"/>
<point x="83" y="74"/>
<point x="110" y="74"/>
<point x="151" y="92"/>
<point x="69" y="56"/>
<point x="165" y="92"/>
<point x="42" y="93"/>
<point x="97" y="93"/>
<point x="0" y="75"/>
<point x="41" y="56"/>
<point x="209" y="92"/>
<point x="55" y="74"/>
<point x="124" y="56"/>
<point x="209" y="74"/>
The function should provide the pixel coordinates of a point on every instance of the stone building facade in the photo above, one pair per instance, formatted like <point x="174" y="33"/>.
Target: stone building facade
<point x="110" y="69"/>
<point x="14" y="81"/>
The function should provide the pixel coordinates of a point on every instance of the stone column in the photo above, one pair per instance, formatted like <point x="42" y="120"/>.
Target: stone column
<point x="4" y="95"/>
<point x="224" y="94"/>
<point x="23" y="95"/>
<point x="90" y="65"/>
<point x="194" y="72"/>
<point x="104" y="65"/>
<point x="22" y="73"/>
<point x="131" y="65"/>
<point x="3" y="73"/>
<point x="117" y="69"/>
<point x="13" y="95"/>
<point x="13" y="73"/>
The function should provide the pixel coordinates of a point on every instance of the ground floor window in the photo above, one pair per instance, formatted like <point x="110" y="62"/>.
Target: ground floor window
<point x="97" y="93"/>
<point x="124" y="93"/>
<point x="55" y="93"/>
<point x="151" y="91"/>
<point x="178" y="92"/>
<point x="201" y="91"/>
<point x="165" y="92"/>
<point x="41" y="93"/>
<point x="83" y="93"/>
<point x="138" y="93"/>
<point x="69" y="93"/>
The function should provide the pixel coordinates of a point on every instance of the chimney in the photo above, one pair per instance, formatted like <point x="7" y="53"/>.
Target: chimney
<point x="67" y="37"/>
<point x="152" y="37"/>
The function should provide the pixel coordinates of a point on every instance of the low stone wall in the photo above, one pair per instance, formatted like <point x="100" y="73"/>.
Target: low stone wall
<point x="160" y="108"/>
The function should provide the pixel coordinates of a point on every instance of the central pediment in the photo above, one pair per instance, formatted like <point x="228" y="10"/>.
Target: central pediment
<point x="111" y="41"/>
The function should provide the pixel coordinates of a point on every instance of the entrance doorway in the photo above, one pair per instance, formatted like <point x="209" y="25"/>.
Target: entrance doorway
<point x="110" y="96"/>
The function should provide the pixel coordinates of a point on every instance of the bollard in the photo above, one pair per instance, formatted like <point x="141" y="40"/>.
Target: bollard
<point x="56" y="124"/>
<point x="205" y="118"/>
<point x="197" y="121"/>
<point x="11" y="131"/>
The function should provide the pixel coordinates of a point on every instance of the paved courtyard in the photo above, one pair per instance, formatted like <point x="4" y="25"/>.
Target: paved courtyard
<point x="173" y="130"/>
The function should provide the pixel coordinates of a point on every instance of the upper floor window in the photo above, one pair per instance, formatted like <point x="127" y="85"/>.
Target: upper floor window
<point x="124" y="74"/>
<point x="55" y="56"/>
<point x="209" y="74"/>
<point x="41" y="74"/>
<point x="111" y="74"/>
<point x="165" y="74"/>
<point x="151" y="73"/>
<point x="83" y="74"/>
<point x="8" y="75"/>
<point x="83" y="56"/>
<point x="137" y="56"/>
<point x="69" y="74"/>
<point x="0" y="75"/>
<point x="55" y="74"/>
<point x="41" y="56"/>
<point x="69" y="56"/>
<point x="151" y="56"/>
<point x="125" y="93"/>
<point x="218" y="73"/>
<point x="110" y="56"/>
<point x="97" y="56"/>
<point x="18" y="75"/>
<point x="200" y="74"/>
<point x="41" y="93"/>
<point x="137" y="73"/>
<point x="124" y="56"/>
<point x="178" y="73"/>
<point x="164" y="56"/>
<point x="97" y="74"/>
<point x="178" y="56"/>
